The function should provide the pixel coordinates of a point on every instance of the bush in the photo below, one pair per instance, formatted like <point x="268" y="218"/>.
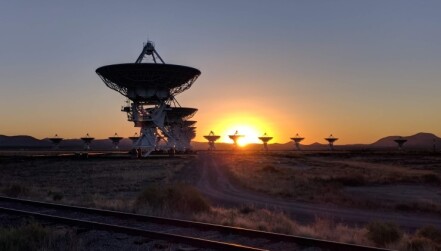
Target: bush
<point x="421" y="244"/>
<point x="270" y="169"/>
<point x="15" y="190"/>
<point x="176" y="197"/>
<point x="431" y="178"/>
<point x="356" y="180"/>
<point x="431" y="233"/>
<point x="382" y="233"/>
<point x="31" y="236"/>
<point x="246" y="209"/>
<point x="56" y="196"/>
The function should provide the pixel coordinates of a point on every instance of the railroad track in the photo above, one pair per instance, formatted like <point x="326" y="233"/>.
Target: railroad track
<point x="192" y="233"/>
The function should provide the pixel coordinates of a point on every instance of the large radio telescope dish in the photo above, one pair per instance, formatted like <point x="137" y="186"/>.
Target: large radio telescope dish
<point x="141" y="81"/>
<point x="151" y="89"/>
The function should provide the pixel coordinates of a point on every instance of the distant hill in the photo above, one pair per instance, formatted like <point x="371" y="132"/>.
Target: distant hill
<point x="417" y="141"/>
<point x="22" y="141"/>
<point x="28" y="142"/>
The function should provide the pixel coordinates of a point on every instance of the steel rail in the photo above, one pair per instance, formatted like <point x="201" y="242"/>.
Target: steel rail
<point x="299" y="240"/>
<point x="193" y="241"/>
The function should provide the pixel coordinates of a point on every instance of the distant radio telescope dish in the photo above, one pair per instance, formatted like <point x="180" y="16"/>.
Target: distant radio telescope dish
<point x="87" y="140"/>
<point x="265" y="139"/>
<point x="115" y="140"/>
<point x="331" y="139"/>
<point x="134" y="138"/>
<point x="297" y="139"/>
<point x="56" y="141"/>
<point x="212" y="138"/>
<point x="235" y="137"/>
<point x="400" y="141"/>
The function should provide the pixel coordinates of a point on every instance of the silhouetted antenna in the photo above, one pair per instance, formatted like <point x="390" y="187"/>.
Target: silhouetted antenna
<point x="265" y="139"/>
<point x="212" y="138"/>
<point x="235" y="137"/>
<point x="297" y="139"/>
<point x="151" y="89"/>
<point x="115" y="140"/>
<point x="180" y="132"/>
<point x="331" y="139"/>
<point x="134" y="138"/>
<point x="56" y="141"/>
<point x="400" y="141"/>
<point x="149" y="50"/>
<point x="87" y="140"/>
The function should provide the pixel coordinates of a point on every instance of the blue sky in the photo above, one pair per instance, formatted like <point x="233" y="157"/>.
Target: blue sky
<point x="358" y="69"/>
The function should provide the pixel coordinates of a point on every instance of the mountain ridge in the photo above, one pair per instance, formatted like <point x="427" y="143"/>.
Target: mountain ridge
<point x="421" y="140"/>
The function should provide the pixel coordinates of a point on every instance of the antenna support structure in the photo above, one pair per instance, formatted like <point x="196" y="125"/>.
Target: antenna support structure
<point x="151" y="89"/>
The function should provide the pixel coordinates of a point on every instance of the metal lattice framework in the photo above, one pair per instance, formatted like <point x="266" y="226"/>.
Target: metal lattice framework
<point x="151" y="89"/>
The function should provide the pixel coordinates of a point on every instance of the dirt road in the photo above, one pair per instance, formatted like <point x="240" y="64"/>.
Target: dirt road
<point x="215" y="184"/>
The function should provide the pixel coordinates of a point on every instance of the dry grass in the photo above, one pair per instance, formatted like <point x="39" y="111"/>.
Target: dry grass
<point x="172" y="198"/>
<point x="86" y="182"/>
<point x="126" y="185"/>
<point x="266" y="220"/>
<point x="323" y="179"/>
<point x="33" y="236"/>
<point x="372" y="235"/>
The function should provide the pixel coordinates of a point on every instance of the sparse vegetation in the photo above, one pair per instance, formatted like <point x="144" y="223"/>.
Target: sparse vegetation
<point x="180" y="198"/>
<point x="426" y="238"/>
<point x="154" y="187"/>
<point x="30" y="236"/>
<point x="383" y="233"/>
<point x="270" y="168"/>
<point x="420" y="244"/>
<point x="56" y="196"/>
<point x="15" y="190"/>
<point x="87" y="183"/>
<point x="321" y="179"/>
<point x="431" y="233"/>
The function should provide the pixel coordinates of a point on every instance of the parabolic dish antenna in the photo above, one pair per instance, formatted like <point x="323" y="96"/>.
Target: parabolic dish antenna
<point x="141" y="81"/>
<point x="265" y="139"/>
<point x="331" y="139"/>
<point x="151" y="89"/>
<point x="115" y="140"/>
<point x="400" y="141"/>
<point x="56" y="141"/>
<point x="297" y="139"/>
<point x="87" y="141"/>
<point x="235" y="137"/>
<point x="212" y="138"/>
<point x="134" y="138"/>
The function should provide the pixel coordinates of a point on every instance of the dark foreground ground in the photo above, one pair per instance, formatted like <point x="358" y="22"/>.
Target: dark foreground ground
<point x="310" y="193"/>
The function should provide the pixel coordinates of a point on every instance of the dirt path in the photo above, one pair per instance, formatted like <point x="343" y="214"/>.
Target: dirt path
<point x="215" y="185"/>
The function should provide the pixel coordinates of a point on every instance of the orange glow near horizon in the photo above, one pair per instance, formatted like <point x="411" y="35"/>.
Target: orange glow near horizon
<point x="248" y="125"/>
<point x="249" y="134"/>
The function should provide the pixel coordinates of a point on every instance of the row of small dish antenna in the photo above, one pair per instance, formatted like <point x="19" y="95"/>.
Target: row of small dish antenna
<point x="87" y="140"/>
<point x="212" y="138"/>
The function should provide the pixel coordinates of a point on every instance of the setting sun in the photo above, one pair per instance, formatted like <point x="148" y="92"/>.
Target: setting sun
<point x="249" y="126"/>
<point x="248" y="133"/>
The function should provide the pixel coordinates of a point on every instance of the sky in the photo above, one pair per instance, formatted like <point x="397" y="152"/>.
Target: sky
<point x="360" y="70"/>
